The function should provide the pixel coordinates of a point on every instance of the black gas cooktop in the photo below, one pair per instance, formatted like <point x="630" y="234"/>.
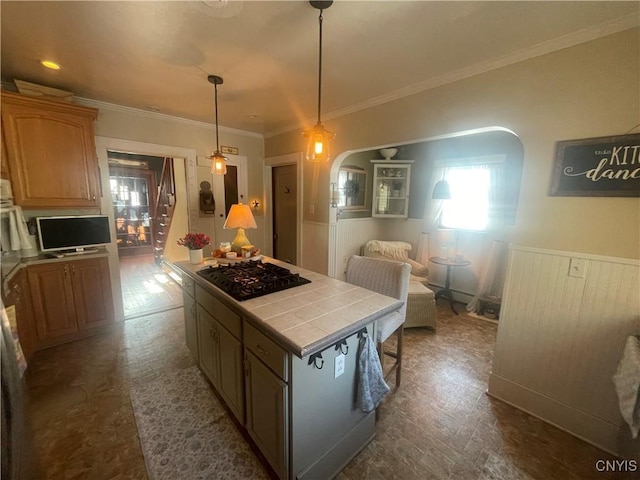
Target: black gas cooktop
<point x="245" y="280"/>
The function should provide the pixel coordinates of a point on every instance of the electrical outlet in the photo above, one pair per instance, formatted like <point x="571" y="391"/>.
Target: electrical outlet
<point x="339" y="365"/>
<point x="577" y="267"/>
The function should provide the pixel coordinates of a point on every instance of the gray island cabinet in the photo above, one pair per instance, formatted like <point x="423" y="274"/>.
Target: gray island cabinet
<point x="285" y="365"/>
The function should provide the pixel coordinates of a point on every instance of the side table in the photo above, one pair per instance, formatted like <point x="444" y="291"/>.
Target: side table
<point x="446" y="292"/>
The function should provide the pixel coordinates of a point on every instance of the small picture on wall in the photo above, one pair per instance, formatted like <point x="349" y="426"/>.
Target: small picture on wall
<point x="597" y="167"/>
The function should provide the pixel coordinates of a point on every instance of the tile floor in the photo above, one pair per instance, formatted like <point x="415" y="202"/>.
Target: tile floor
<point x="440" y="424"/>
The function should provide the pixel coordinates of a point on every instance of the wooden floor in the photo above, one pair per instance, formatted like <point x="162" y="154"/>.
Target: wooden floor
<point x="146" y="288"/>
<point x="440" y="424"/>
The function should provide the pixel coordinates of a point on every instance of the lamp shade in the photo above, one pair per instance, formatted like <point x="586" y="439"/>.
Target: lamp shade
<point x="441" y="191"/>
<point x="240" y="216"/>
<point x="445" y="235"/>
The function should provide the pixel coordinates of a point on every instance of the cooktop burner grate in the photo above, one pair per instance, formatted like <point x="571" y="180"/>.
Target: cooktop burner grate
<point x="245" y="280"/>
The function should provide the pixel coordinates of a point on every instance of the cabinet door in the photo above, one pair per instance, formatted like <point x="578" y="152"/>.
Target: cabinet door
<point x="207" y="346"/>
<point x="231" y="385"/>
<point x="91" y="284"/>
<point x="391" y="184"/>
<point x="190" y="326"/>
<point x="52" y="299"/>
<point x="51" y="152"/>
<point x="267" y="417"/>
<point x="18" y="295"/>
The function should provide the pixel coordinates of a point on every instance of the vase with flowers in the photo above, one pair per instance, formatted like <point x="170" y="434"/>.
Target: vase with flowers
<point x="195" y="242"/>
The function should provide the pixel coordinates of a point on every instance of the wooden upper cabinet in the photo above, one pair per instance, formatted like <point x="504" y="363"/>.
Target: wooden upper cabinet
<point x="51" y="152"/>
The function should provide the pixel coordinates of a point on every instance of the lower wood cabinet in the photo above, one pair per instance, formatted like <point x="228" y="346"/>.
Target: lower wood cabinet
<point x="267" y="417"/>
<point x="17" y="294"/>
<point x="190" y="325"/>
<point x="70" y="299"/>
<point x="221" y="360"/>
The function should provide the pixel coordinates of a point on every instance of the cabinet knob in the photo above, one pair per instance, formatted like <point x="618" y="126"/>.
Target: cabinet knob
<point x="93" y="197"/>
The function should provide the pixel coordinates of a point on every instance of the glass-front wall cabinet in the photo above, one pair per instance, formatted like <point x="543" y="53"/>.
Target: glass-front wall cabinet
<point x="132" y="194"/>
<point x="391" y="183"/>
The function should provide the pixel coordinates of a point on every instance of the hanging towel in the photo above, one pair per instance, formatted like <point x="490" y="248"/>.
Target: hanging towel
<point x="627" y="383"/>
<point x="371" y="385"/>
<point x="18" y="232"/>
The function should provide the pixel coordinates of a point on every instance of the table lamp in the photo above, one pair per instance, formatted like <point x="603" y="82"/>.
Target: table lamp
<point x="240" y="217"/>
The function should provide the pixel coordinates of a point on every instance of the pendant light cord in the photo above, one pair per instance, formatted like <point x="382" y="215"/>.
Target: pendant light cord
<point x="215" y="88"/>
<point x="320" y="66"/>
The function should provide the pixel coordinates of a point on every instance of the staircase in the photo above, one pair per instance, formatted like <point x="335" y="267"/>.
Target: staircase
<point x="165" y="205"/>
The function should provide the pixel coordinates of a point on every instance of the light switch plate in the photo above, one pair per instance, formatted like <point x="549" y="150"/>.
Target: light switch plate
<point x="577" y="267"/>
<point x="339" y="365"/>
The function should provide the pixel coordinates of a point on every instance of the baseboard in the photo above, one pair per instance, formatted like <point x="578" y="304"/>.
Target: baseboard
<point x="597" y="432"/>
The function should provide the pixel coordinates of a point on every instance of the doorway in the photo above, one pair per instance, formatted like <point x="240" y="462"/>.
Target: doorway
<point x="285" y="212"/>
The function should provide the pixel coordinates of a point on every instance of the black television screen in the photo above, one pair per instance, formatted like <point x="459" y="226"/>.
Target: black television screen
<point x="73" y="233"/>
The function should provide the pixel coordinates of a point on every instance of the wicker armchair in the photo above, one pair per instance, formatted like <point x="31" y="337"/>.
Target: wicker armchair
<point x="421" y="302"/>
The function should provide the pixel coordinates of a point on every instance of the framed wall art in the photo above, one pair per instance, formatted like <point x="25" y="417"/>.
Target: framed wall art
<point x="597" y="167"/>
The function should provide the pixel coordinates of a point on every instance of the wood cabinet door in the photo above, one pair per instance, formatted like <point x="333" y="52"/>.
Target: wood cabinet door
<point x="18" y="295"/>
<point x="207" y="346"/>
<point x="92" y="296"/>
<point x="231" y="384"/>
<point x="52" y="300"/>
<point x="190" y="325"/>
<point x="51" y="152"/>
<point x="267" y="418"/>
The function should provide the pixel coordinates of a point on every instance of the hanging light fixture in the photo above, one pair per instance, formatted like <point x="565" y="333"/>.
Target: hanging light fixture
<point x="442" y="190"/>
<point x="319" y="137"/>
<point x="218" y="161"/>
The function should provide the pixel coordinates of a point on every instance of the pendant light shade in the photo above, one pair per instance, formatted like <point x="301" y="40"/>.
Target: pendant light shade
<point x="318" y="137"/>
<point x="441" y="191"/>
<point x="218" y="160"/>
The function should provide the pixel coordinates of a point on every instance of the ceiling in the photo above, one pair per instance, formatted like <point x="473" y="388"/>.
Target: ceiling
<point x="156" y="56"/>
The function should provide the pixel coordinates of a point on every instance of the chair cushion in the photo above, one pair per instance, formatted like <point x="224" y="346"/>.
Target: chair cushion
<point x="388" y="324"/>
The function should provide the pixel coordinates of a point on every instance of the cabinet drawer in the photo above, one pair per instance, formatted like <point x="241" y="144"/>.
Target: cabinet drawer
<point x="189" y="285"/>
<point x="266" y="350"/>
<point x="223" y="314"/>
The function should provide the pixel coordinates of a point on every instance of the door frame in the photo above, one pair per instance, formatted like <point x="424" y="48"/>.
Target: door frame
<point x="103" y="145"/>
<point x="281" y="161"/>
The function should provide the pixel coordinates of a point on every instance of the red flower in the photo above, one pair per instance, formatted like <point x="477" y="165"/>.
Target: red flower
<point x="194" y="241"/>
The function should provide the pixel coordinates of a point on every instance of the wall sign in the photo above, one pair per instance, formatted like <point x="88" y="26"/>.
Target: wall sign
<point x="597" y="167"/>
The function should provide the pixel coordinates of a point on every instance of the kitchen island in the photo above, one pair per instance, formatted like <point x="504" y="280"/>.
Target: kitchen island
<point x="285" y="365"/>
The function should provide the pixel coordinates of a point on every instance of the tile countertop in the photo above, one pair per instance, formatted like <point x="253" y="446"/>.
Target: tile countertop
<point x="308" y="318"/>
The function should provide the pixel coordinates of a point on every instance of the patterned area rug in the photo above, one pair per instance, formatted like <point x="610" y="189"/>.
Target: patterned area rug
<point x="186" y="434"/>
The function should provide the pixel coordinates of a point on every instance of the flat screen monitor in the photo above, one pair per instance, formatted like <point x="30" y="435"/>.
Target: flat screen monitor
<point x="73" y="233"/>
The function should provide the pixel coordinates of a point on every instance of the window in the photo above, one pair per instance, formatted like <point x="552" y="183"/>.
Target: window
<point x="476" y="190"/>
<point x="468" y="208"/>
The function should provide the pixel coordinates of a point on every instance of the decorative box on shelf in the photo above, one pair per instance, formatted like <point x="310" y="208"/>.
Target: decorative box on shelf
<point x="391" y="182"/>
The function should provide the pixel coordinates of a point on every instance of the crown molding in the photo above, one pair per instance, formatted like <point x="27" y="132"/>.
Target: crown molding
<point x="160" y="116"/>
<point x="569" y="40"/>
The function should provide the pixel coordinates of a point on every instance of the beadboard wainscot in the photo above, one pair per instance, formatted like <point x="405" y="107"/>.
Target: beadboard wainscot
<point x="564" y="321"/>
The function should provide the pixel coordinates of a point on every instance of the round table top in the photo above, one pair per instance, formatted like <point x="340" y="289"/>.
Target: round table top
<point x="450" y="262"/>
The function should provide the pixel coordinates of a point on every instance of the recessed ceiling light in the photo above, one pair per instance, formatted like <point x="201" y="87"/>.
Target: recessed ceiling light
<point x="50" y="64"/>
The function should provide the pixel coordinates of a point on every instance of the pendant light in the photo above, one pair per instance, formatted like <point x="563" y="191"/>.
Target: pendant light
<point x="319" y="137"/>
<point x="218" y="161"/>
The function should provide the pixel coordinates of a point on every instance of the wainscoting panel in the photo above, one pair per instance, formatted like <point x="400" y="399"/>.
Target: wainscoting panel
<point x="560" y="338"/>
<point x="351" y="234"/>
